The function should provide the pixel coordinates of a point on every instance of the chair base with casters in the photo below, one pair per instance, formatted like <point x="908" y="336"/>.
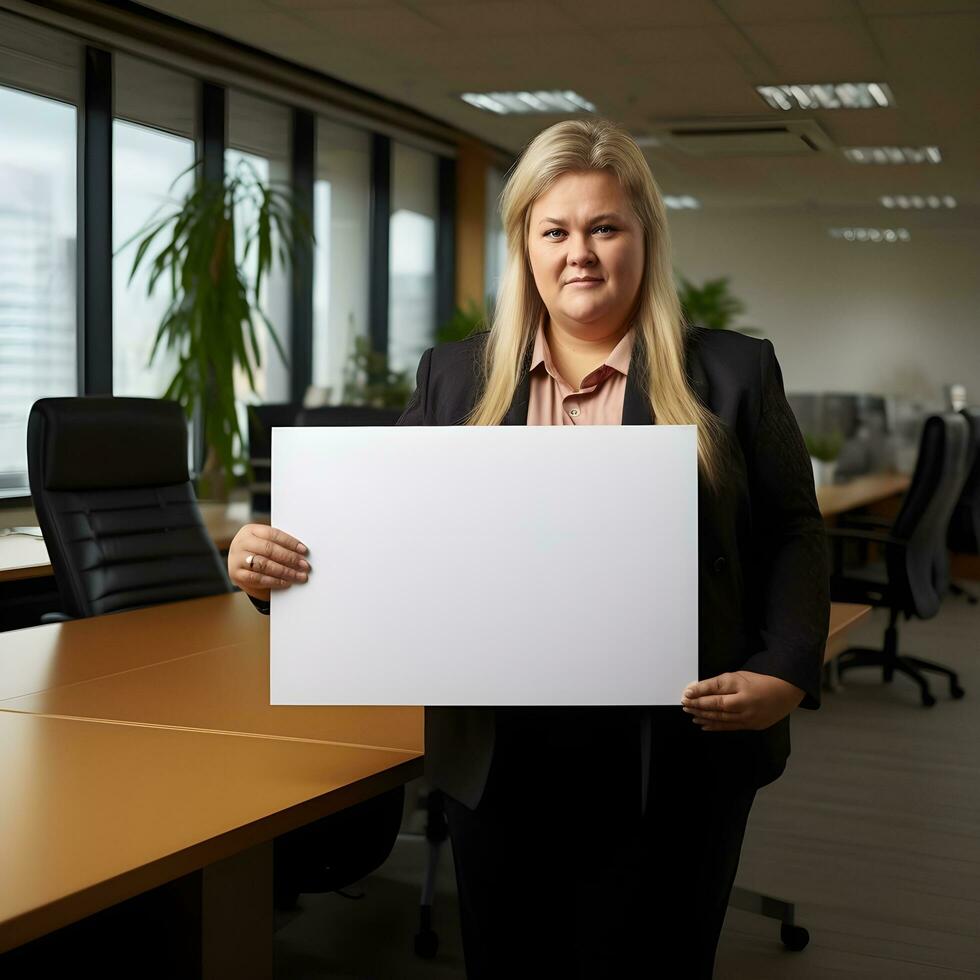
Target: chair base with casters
<point x="962" y="590"/>
<point x="793" y="936"/>
<point x="436" y="834"/>
<point x="891" y="661"/>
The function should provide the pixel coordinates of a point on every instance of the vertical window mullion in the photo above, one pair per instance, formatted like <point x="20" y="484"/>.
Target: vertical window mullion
<point x="380" y="241"/>
<point x="213" y="122"/>
<point x="213" y="131"/>
<point x="95" y="339"/>
<point x="301" y="307"/>
<point x="446" y="242"/>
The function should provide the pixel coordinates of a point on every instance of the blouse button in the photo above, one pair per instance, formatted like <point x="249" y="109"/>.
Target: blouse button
<point x="720" y="564"/>
<point x="574" y="412"/>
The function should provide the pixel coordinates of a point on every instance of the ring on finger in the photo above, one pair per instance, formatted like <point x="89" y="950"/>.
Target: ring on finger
<point x="249" y="559"/>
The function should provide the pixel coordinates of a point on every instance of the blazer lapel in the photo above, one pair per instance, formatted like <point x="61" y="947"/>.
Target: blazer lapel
<point x="696" y="376"/>
<point x="517" y="413"/>
<point x="636" y="404"/>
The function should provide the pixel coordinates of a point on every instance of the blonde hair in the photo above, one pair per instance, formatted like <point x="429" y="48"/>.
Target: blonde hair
<point x="594" y="144"/>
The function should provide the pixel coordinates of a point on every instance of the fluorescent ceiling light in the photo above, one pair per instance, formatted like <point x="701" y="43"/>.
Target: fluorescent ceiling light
<point x="506" y="103"/>
<point x="893" y="154"/>
<point x="828" y="95"/>
<point x="871" y="234"/>
<point x="918" y="201"/>
<point x="681" y="202"/>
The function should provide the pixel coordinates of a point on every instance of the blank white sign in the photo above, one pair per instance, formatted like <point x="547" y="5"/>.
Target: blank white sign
<point x="487" y="565"/>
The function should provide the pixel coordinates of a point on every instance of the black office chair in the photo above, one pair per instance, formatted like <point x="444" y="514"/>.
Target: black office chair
<point x="320" y="858"/>
<point x="120" y="520"/>
<point x="116" y="506"/>
<point x="348" y="415"/>
<point x="261" y="419"/>
<point x="910" y="578"/>
<point x="964" y="526"/>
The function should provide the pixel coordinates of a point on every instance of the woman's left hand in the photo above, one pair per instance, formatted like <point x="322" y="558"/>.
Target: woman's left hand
<point x="740" y="701"/>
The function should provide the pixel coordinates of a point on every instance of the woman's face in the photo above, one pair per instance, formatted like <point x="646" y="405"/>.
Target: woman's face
<point x="585" y="247"/>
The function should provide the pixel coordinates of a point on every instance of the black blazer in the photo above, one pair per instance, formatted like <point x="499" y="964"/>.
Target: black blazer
<point x="763" y="582"/>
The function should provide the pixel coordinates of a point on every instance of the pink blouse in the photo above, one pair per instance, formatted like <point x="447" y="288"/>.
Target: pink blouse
<point x="553" y="401"/>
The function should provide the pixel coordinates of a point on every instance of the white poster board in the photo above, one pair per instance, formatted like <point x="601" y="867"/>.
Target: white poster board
<point x="497" y="565"/>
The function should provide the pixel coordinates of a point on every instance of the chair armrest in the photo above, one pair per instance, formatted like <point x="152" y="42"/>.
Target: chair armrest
<point x="879" y="537"/>
<point x="838" y="535"/>
<point x="863" y="520"/>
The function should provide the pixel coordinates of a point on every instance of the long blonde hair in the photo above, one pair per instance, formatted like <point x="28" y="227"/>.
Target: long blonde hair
<point x="594" y="144"/>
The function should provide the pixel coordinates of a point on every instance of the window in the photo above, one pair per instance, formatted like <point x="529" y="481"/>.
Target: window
<point x="259" y="137"/>
<point x="341" y="218"/>
<point x="152" y="148"/>
<point x="412" y="262"/>
<point x="495" y="257"/>
<point x="38" y="232"/>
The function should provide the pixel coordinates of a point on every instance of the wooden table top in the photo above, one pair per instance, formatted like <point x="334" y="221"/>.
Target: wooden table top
<point x="837" y="498"/>
<point x="202" y="664"/>
<point x="96" y="813"/>
<point x="23" y="557"/>
<point x="844" y="615"/>
<point x="153" y="730"/>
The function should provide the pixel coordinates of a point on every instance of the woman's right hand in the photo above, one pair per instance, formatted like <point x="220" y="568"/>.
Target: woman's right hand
<point x="276" y="560"/>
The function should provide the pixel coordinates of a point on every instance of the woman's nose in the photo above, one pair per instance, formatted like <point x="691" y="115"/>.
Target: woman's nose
<point x="579" y="252"/>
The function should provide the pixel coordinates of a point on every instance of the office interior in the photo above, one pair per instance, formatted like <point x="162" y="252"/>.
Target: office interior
<point x="818" y="160"/>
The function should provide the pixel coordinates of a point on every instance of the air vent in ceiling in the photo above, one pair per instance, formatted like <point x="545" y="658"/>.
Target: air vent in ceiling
<point x="745" y="137"/>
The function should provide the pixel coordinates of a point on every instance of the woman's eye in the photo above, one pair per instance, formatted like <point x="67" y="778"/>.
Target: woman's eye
<point x="548" y="233"/>
<point x="604" y="228"/>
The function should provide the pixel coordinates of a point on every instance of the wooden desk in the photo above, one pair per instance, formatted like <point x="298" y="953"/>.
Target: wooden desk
<point x="152" y="729"/>
<point x="23" y="557"/>
<point x="96" y="813"/>
<point x="843" y="616"/>
<point x="860" y="492"/>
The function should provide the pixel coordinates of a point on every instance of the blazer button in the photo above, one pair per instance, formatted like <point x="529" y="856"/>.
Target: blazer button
<point x="720" y="564"/>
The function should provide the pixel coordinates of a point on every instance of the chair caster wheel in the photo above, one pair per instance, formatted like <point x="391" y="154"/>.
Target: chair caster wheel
<point x="927" y="700"/>
<point x="956" y="691"/>
<point x="794" y="938"/>
<point x="426" y="944"/>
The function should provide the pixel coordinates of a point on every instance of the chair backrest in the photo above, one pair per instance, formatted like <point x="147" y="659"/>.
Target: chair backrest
<point x="964" y="525"/>
<point x="261" y="419"/>
<point x="114" y="501"/>
<point x="348" y="415"/>
<point x="918" y="569"/>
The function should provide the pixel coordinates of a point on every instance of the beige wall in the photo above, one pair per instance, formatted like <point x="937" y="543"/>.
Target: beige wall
<point x="901" y="319"/>
<point x="471" y="191"/>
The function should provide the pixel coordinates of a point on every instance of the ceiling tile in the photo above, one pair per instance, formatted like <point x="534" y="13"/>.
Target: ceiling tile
<point x="672" y="45"/>
<point x="391" y="22"/>
<point x="929" y="7"/>
<point x="819" y="51"/>
<point x="326" y="4"/>
<point x="613" y="14"/>
<point x="778" y="11"/>
<point x="503" y="17"/>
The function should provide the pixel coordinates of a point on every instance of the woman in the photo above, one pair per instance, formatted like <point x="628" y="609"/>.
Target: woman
<point x="589" y="841"/>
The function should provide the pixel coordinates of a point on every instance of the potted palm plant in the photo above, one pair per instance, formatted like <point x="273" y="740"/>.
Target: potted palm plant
<point x="712" y="305"/>
<point x="200" y="258"/>
<point x="824" y="448"/>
